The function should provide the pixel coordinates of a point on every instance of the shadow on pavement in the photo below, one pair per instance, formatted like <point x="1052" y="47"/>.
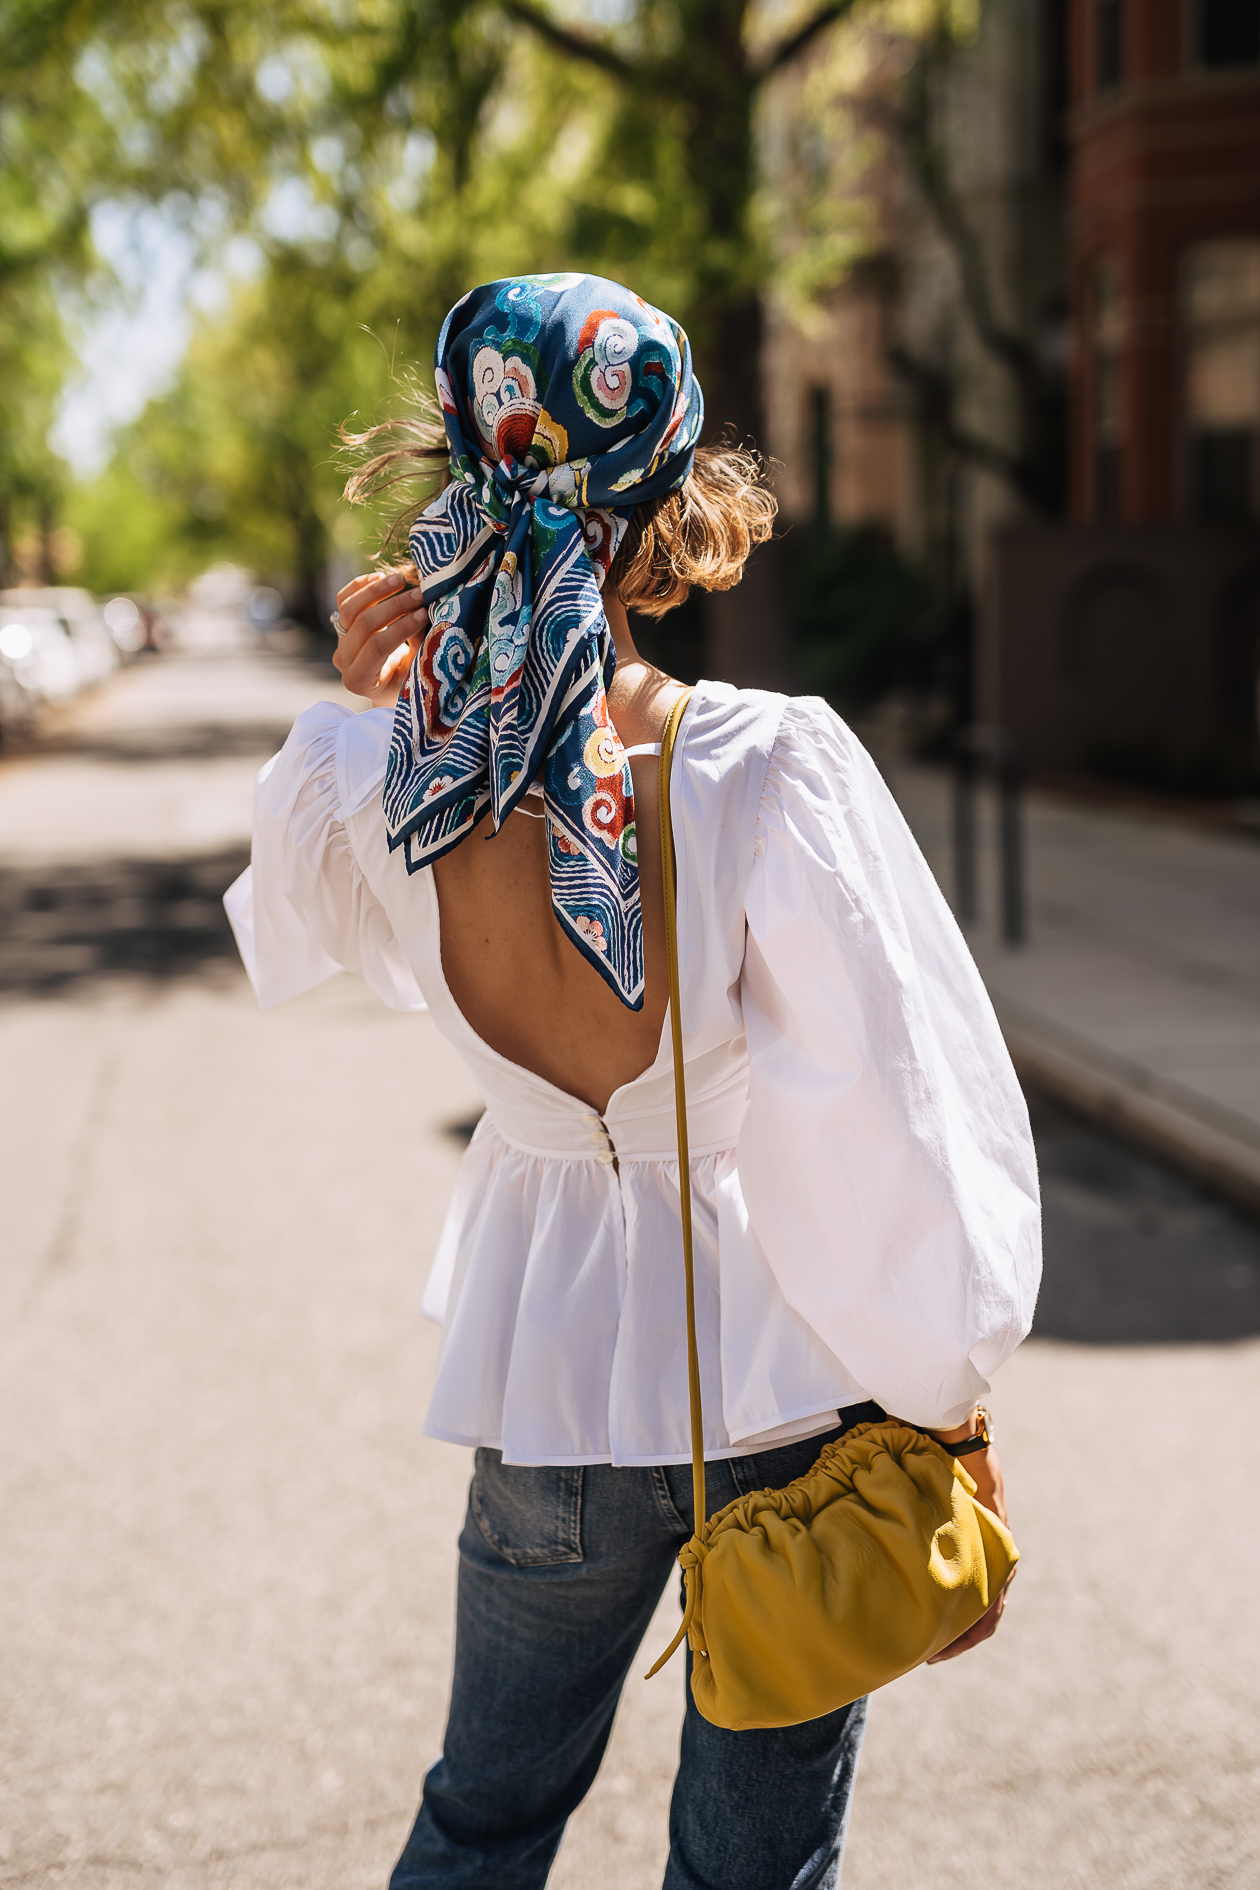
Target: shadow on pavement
<point x="158" y="919"/>
<point x="1136" y="1254"/>
<point x="463" y="1130"/>
<point x="181" y="741"/>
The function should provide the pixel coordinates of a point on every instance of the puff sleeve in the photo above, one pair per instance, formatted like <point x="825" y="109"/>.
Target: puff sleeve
<point x="885" y="1158"/>
<point x="302" y="910"/>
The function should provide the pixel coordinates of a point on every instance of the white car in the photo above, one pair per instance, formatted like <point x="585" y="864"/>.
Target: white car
<point x="38" y="651"/>
<point x="15" y="705"/>
<point x="95" y="651"/>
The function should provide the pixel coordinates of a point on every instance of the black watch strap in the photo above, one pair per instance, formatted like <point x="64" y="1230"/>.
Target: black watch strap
<point x="981" y="1441"/>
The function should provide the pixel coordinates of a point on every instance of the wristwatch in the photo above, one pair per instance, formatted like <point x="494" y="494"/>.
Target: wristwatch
<point x="981" y="1441"/>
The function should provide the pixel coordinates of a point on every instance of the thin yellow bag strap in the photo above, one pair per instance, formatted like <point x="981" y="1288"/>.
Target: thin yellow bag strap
<point x="669" y="877"/>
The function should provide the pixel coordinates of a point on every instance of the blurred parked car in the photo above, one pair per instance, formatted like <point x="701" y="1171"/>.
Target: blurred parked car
<point x="135" y="625"/>
<point x="95" y="652"/>
<point x="15" y="705"/>
<point x="122" y="617"/>
<point x="38" y="652"/>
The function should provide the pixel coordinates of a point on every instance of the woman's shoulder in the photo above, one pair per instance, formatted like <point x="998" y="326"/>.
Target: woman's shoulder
<point x="726" y="729"/>
<point x="726" y="741"/>
<point x="761" y="733"/>
<point x="729" y="717"/>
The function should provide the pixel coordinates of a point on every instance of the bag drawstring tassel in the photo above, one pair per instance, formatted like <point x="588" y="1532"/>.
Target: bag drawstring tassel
<point x="691" y="1557"/>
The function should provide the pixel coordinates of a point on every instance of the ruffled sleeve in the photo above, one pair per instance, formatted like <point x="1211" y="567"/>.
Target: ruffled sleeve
<point x="886" y="1158"/>
<point x="302" y="910"/>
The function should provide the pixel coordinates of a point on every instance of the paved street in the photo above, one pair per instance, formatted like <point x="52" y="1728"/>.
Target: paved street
<point x="227" y="1575"/>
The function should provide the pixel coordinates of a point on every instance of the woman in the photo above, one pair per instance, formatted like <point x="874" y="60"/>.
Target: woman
<point x="483" y="842"/>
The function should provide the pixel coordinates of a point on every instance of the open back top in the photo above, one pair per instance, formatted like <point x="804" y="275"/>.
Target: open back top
<point x="863" y="1176"/>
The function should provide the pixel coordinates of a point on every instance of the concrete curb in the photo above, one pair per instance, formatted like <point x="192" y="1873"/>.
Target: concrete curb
<point x="1122" y="1098"/>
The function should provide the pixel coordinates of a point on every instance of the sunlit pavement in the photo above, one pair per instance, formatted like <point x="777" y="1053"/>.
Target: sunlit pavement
<point x="226" y="1584"/>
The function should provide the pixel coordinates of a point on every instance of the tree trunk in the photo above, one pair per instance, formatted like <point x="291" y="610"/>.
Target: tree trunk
<point x="729" y="366"/>
<point x="309" y="604"/>
<point x="747" y="631"/>
<point x="310" y="542"/>
<point x="47" y="526"/>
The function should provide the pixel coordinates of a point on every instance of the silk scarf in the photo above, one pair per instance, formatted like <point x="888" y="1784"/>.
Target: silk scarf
<point x="567" y="401"/>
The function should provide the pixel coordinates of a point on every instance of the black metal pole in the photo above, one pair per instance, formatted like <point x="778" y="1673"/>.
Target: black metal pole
<point x="1011" y="840"/>
<point x="964" y="826"/>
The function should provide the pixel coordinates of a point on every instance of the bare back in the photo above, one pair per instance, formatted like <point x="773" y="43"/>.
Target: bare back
<point x="510" y="968"/>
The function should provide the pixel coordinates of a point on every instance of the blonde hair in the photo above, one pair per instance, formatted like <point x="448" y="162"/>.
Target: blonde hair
<point x="701" y="535"/>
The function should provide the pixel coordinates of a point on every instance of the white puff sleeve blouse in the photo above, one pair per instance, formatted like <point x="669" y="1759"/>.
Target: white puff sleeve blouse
<point x="863" y="1177"/>
<point x="885" y="1126"/>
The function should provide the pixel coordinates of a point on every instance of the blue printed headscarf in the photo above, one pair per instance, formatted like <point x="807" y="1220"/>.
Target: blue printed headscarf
<point x="567" y="402"/>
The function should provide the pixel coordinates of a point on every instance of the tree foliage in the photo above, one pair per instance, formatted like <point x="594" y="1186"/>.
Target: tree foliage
<point x="380" y="158"/>
<point x="385" y="158"/>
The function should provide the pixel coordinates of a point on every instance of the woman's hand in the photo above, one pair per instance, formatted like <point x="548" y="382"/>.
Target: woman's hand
<point x="383" y="621"/>
<point x="985" y="1471"/>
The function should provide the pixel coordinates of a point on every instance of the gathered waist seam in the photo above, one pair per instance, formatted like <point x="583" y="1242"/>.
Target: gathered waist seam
<point x="600" y="1157"/>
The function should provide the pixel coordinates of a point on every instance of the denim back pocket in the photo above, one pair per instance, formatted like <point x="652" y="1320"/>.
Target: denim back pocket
<point x="531" y="1515"/>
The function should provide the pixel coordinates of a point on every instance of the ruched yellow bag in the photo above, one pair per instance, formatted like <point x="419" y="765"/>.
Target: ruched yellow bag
<point x="801" y="1600"/>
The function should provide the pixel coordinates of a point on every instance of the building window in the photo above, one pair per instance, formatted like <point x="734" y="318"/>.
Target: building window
<point x="1106" y="335"/>
<point x="1108" y="47"/>
<point x="1221" y="313"/>
<point x="1229" y="32"/>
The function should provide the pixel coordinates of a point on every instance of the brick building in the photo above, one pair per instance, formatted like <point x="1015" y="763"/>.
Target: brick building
<point x="1102" y="159"/>
<point x="1165" y="247"/>
<point x="1130" y="638"/>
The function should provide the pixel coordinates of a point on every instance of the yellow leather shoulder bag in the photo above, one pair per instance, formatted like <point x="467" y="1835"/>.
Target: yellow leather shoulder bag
<point x="802" y="1599"/>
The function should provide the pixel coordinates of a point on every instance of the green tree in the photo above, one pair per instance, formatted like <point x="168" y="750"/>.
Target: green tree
<point x="671" y="179"/>
<point x="432" y="143"/>
<point x="238" y="459"/>
<point x="50" y="139"/>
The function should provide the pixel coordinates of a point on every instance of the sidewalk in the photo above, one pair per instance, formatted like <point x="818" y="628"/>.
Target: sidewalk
<point x="1136" y="997"/>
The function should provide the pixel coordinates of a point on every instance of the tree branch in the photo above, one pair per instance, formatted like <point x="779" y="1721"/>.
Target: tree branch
<point x="594" y="52"/>
<point x="927" y="162"/>
<point x="787" y="49"/>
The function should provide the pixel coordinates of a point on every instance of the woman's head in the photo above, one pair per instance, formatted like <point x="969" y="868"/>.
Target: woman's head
<point x="570" y="417"/>
<point x="578" y="393"/>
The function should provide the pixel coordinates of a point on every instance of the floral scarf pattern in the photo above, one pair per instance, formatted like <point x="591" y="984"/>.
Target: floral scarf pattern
<point x="567" y="401"/>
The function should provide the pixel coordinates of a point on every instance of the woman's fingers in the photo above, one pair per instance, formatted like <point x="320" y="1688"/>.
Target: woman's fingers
<point x="363" y="657"/>
<point x="396" y="617"/>
<point x="362" y="589"/>
<point x="983" y="1629"/>
<point x="382" y="621"/>
<point x="368" y="604"/>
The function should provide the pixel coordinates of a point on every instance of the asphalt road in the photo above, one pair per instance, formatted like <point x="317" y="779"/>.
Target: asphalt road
<point x="228" y="1551"/>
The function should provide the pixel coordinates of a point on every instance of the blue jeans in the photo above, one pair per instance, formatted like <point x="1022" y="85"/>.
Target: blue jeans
<point x="560" y="1572"/>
